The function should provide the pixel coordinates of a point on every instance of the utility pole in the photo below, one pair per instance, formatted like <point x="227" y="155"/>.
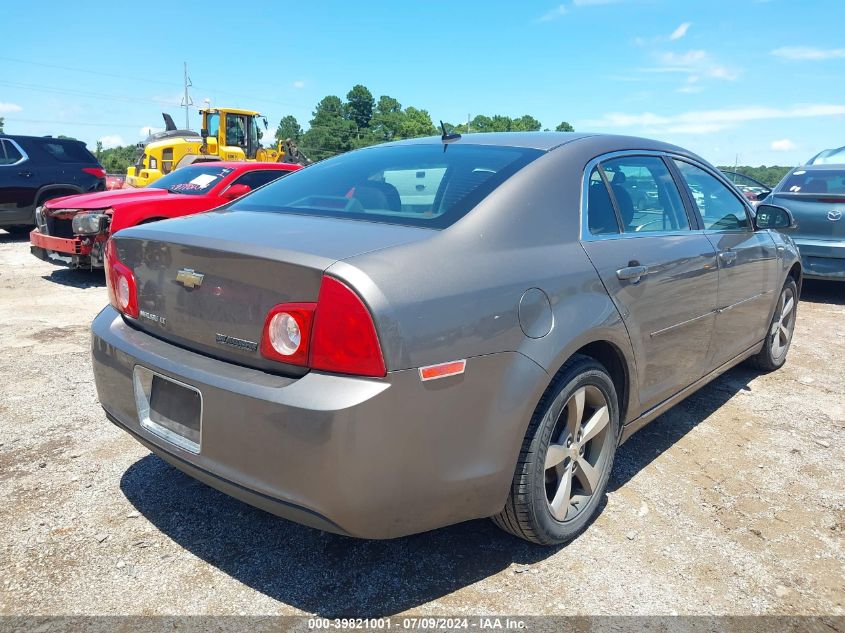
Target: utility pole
<point x="186" y="100"/>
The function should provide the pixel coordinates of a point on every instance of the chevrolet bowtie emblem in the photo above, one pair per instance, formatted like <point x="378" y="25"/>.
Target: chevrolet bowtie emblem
<point x="188" y="278"/>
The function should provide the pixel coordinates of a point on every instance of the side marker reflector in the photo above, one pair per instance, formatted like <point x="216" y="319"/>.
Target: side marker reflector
<point x="443" y="370"/>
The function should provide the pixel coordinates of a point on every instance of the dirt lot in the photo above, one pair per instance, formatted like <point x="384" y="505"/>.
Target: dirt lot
<point x="731" y="503"/>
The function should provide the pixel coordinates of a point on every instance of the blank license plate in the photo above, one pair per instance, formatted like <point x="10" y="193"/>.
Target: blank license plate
<point x="170" y="409"/>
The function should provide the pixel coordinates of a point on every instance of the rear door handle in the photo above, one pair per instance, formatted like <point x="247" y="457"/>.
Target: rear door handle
<point x="632" y="273"/>
<point x="729" y="257"/>
<point x="25" y="174"/>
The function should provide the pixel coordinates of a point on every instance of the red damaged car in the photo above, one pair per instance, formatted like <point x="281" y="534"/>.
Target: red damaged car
<point x="73" y="230"/>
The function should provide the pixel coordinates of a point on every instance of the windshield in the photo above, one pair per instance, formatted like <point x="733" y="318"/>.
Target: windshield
<point x="814" y="181"/>
<point x="193" y="180"/>
<point x="413" y="185"/>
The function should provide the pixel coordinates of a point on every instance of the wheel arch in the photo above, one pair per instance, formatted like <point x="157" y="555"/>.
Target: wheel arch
<point x="70" y="190"/>
<point x="796" y="272"/>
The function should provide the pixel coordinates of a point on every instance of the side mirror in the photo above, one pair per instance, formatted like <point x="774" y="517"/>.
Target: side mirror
<point x="770" y="216"/>
<point x="204" y="132"/>
<point x="236" y="191"/>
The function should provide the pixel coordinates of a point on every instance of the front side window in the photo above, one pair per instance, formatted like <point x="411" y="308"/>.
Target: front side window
<point x="645" y="194"/>
<point x="429" y="185"/>
<point x="195" y="180"/>
<point x="720" y="208"/>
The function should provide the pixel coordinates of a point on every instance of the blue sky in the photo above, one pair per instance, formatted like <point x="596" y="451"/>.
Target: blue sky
<point x="761" y="79"/>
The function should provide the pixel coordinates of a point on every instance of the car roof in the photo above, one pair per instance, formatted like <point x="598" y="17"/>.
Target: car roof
<point x="243" y="165"/>
<point x="819" y="167"/>
<point x="547" y="141"/>
<point x="42" y="138"/>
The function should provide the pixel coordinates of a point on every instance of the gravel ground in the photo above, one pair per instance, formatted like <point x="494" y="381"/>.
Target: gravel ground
<point x="731" y="503"/>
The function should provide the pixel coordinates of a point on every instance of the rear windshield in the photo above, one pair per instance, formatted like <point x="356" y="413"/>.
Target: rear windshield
<point x="193" y="180"/>
<point x="815" y="181"/>
<point x="67" y="151"/>
<point x="413" y="185"/>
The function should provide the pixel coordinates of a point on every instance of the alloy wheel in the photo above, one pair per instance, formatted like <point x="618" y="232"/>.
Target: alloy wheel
<point x="578" y="453"/>
<point x="783" y="324"/>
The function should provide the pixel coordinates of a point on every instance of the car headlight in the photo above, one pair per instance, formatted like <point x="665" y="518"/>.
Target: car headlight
<point x="88" y="223"/>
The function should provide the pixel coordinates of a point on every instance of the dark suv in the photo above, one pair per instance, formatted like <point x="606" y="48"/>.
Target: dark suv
<point x="34" y="169"/>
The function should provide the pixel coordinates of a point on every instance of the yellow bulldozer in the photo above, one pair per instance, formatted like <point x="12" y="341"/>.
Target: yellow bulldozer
<point x="226" y="134"/>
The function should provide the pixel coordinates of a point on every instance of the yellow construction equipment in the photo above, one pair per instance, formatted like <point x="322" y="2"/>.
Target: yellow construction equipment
<point x="227" y="134"/>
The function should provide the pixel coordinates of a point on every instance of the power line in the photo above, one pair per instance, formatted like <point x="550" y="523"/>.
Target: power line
<point x="90" y="72"/>
<point x="82" y="93"/>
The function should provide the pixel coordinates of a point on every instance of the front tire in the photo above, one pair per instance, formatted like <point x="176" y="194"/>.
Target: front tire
<point x="19" y="229"/>
<point x="779" y="335"/>
<point x="566" y="457"/>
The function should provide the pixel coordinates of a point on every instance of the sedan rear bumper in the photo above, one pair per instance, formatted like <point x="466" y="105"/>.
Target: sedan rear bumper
<point x="364" y="457"/>
<point x="822" y="259"/>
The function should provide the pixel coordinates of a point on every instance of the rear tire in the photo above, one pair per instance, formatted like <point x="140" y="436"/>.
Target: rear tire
<point x="779" y="335"/>
<point x="566" y="457"/>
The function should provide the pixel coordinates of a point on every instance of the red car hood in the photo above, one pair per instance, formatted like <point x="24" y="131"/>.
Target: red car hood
<point x="115" y="198"/>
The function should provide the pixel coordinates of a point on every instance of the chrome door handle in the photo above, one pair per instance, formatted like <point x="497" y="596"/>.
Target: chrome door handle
<point x="25" y="174"/>
<point x="632" y="273"/>
<point x="729" y="257"/>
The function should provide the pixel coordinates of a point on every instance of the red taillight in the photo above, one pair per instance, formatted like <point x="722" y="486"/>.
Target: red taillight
<point x="287" y="333"/>
<point x="99" y="172"/>
<point x="120" y="280"/>
<point x="344" y="336"/>
<point x="336" y="334"/>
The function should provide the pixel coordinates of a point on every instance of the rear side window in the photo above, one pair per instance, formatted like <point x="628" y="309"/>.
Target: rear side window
<point x="9" y="153"/>
<point x="720" y="208"/>
<point x="67" y="151"/>
<point x="815" y="181"/>
<point x="645" y="194"/>
<point x="256" y="179"/>
<point x="600" y="214"/>
<point x="414" y="185"/>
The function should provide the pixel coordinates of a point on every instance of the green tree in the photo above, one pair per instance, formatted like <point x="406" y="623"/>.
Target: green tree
<point x="564" y="127"/>
<point x="359" y="106"/>
<point x="99" y="152"/>
<point x="288" y="128"/>
<point x="526" y="123"/>
<point x="1" y="125"/>
<point x="386" y="123"/>
<point x="416" y="123"/>
<point x="330" y="132"/>
<point x="115" y="160"/>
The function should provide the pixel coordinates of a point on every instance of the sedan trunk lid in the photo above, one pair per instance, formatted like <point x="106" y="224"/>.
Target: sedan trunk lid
<point x="206" y="282"/>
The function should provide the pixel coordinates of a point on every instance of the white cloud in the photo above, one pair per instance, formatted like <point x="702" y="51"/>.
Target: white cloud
<point x="8" y="108"/>
<point x="783" y="145"/>
<point x="808" y="53"/>
<point x="694" y="62"/>
<point x="563" y="9"/>
<point x="111" y="140"/>
<point x="679" y="32"/>
<point x="555" y="13"/>
<point x="299" y="84"/>
<point x="709" y="121"/>
<point x="149" y="129"/>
